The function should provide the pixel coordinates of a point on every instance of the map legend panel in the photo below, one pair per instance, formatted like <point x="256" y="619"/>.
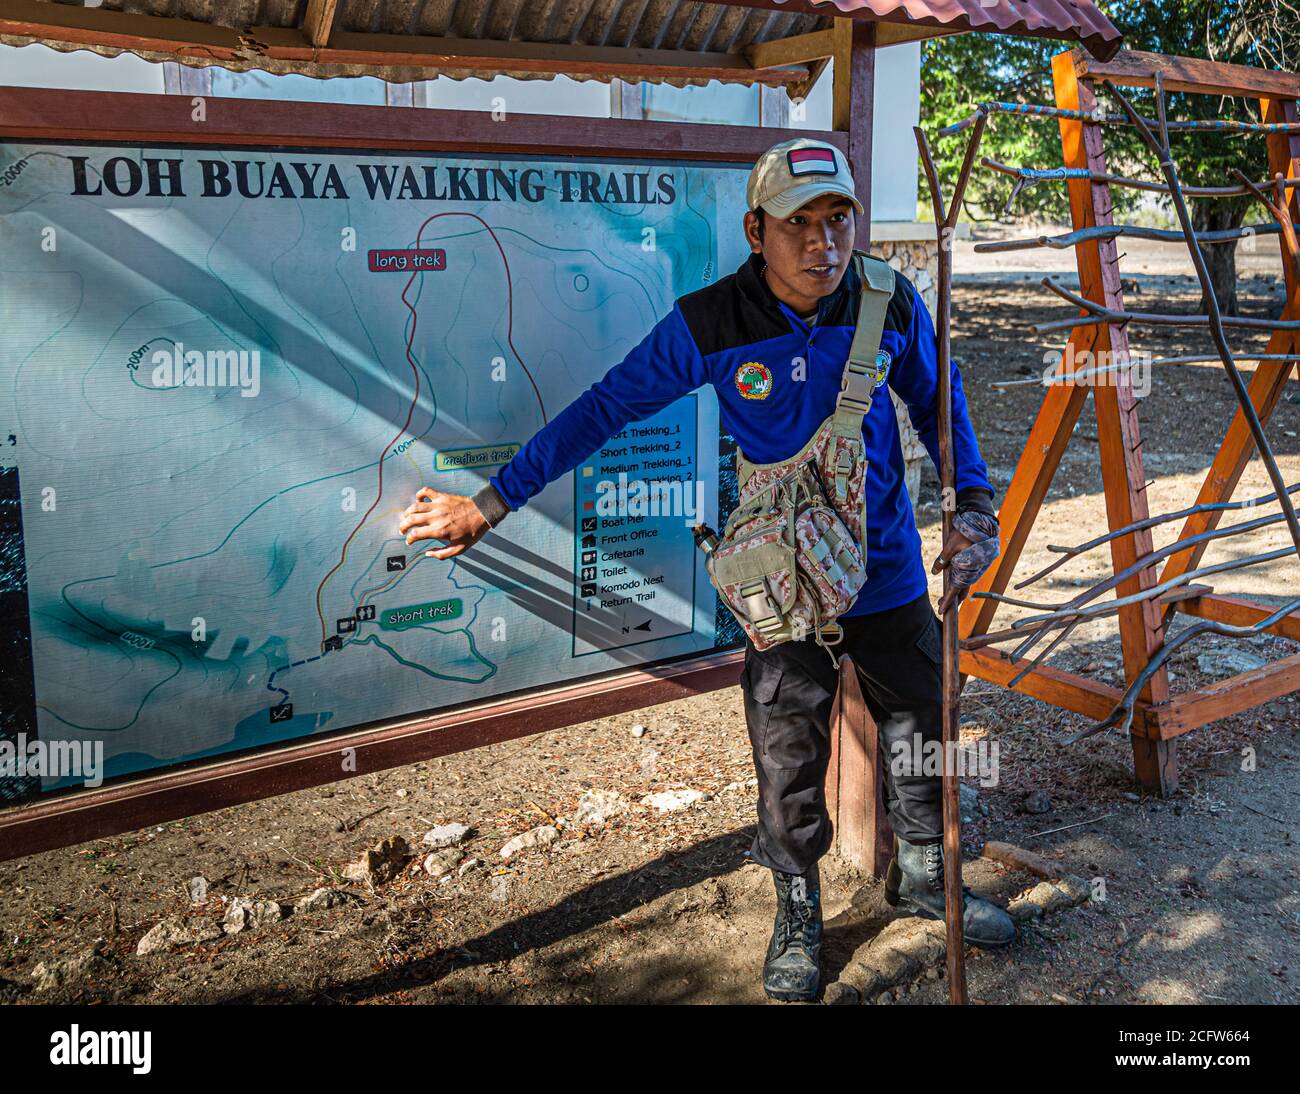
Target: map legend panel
<point x="636" y="500"/>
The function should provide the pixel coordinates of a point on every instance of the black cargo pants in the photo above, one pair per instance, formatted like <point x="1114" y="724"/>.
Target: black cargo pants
<point x="788" y="692"/>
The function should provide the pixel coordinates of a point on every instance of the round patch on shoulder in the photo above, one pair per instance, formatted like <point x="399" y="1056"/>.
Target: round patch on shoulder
<point x="754" y="380"/>
<point x="883" y="359"/>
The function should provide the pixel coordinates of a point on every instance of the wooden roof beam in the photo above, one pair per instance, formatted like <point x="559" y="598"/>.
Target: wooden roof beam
<point x="1134" y="68"/>
<point x="319" y="21"/>
<point x="799" y="49"/>
<point x="70" y="25"/>
<point x="416" y="51"/>
<point x="819" y="45"/>
<point x="895" y="34"/>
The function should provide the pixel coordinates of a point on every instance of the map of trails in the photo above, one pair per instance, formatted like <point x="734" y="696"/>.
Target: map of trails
<point x="225" y="373"/>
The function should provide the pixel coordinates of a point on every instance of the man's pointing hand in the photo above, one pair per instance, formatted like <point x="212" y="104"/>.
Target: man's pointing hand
<point x="451" y="518"/>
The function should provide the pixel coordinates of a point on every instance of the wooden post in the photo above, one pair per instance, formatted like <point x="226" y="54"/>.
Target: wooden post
<point x="1141" y="626"/>
<point x="853" y="107"/>
<point x="854" y="781"/>
<point x="855" y="795"/>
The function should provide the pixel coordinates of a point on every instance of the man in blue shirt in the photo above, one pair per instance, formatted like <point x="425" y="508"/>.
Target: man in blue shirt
<point x="772" y="339"/>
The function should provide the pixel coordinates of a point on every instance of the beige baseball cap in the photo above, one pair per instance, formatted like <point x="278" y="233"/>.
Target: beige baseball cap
<point x="790" y="174"/>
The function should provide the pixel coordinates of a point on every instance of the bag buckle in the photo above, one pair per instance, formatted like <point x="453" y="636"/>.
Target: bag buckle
<point x="762" y="610"/>
<point x="843" y="468"/>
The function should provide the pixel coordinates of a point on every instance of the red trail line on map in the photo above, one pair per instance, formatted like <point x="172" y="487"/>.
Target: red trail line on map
<point x="415" y="399"/>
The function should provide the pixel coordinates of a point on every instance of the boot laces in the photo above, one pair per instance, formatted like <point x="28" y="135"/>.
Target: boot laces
<point x="934" y="863"/>
<point x="799" y="912"/>
<point x="934" y="870"/>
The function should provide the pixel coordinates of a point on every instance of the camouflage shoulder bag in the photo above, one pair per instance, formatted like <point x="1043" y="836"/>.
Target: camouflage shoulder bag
<point x="792" y="556"/>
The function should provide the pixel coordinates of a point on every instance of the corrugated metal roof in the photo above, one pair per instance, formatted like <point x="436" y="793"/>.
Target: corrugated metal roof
<point x="1080" y="20"/>
<point x="692" y="25"/>
<point x="654" y="24"/>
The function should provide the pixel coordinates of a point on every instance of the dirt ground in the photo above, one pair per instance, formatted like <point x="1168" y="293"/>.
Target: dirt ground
<point x="1200" y="892"/>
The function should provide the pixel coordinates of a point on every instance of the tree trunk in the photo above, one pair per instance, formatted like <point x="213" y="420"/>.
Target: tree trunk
<point x="1220" y="258"/>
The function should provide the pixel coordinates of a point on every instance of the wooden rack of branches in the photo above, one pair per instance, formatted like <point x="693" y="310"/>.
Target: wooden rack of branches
<point x="1144" y="599"/>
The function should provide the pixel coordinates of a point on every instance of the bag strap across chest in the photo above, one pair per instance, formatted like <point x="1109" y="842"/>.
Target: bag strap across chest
<point x="864" y="371"/>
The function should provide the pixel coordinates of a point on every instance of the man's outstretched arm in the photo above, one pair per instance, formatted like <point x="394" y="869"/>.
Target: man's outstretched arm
<point x="663" y="367"/>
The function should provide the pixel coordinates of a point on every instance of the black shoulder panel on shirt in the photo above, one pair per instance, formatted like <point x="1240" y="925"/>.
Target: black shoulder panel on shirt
<point x="739" y="310"/>
<point x="722" y="315"/>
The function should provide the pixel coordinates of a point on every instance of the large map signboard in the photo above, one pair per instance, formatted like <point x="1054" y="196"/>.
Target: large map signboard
<point x="225" y="372"/>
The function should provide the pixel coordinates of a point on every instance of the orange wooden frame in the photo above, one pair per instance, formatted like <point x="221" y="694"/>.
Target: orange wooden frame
<point x="1159" y="716"/>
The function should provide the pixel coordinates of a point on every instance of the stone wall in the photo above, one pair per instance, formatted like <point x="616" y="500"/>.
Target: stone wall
<point x="915" y="259"/>
<point x="918" y="261"/>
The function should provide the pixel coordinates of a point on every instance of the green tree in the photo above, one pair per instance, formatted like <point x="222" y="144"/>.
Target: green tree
<point x="961" y="71"/>
<point x="1271" y="28"/>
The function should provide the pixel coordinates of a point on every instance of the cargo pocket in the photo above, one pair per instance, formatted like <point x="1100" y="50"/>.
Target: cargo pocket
<point x="930" y="641"/>
<point x="760" y="683"/>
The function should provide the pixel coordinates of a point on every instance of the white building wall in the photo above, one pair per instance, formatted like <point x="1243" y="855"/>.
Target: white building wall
<point x="893" y="144"/>
<point x="39" y="66"/>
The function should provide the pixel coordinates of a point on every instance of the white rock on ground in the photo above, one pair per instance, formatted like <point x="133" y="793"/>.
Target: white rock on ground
<point x="1228" y="661"/>
<point x="1050" y="896"/>
<point x="595" y="807"/>
<point x="380" y="863"/>
<point x="198" y="889"/>
<point x="535" y="837"/>
<point x="49" y="975"/>
<point x="320" y="899"/>
<point x="443" y="862"/>
<point x="175" y="931"/>
<point x="840" y="994"/>
<point x="251" y="915"/>
<point x="446" y="835"/>
<point x="673" y="801"/>
<point x="902" y="950"/>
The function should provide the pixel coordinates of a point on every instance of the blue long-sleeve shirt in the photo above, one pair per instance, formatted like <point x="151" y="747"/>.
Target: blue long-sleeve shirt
<point x="716" y="336"/>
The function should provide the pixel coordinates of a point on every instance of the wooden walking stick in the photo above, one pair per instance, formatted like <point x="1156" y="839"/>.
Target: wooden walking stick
<point x="945" y="224"/>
